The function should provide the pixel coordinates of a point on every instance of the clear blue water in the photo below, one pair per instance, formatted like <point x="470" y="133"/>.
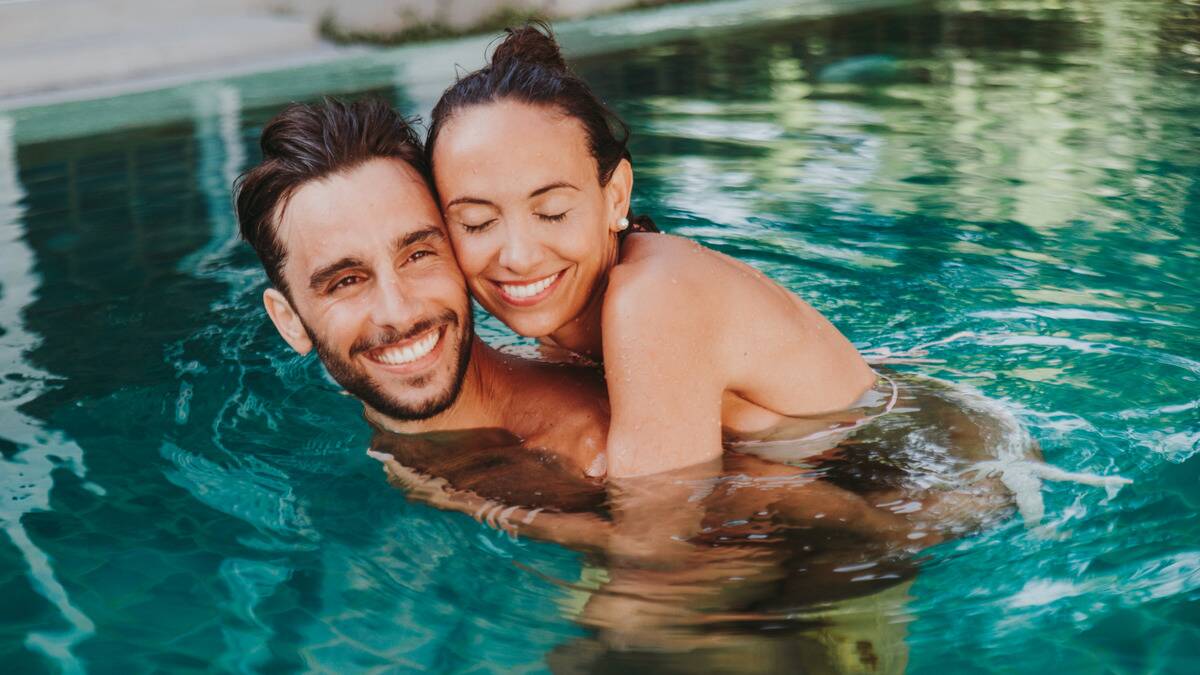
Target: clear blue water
<point x="1013" y="186"/>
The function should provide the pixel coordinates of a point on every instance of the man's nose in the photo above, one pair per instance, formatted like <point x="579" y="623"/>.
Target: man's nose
<point x="392" y="306"/>
<point x="521" y="252"/>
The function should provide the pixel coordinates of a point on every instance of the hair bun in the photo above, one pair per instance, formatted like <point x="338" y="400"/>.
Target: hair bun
<point x="531" y="44"/>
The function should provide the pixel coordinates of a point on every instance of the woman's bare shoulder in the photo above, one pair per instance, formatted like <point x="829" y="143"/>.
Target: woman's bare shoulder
<point x="661" y="272"/>
<point x="667" y="267"/>
<point x="657" y="274"/>
<point x="661" y="295"/>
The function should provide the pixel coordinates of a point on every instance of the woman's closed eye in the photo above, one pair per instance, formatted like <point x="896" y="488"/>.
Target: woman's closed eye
<point x="476" y="227"/>
<point x="553" y="217"/>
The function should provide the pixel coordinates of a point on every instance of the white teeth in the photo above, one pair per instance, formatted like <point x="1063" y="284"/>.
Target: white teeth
<point x="397" y="356"/>
<point x="528" y="290"/>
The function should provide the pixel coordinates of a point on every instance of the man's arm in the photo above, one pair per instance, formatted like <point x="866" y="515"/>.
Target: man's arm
<point x="580" y="531"/>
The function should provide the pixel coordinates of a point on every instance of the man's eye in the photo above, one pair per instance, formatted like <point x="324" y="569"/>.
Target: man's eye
<point x="478" y="227"/>
<point x="344" y="282"/>
<point x="417" y="255"/>
<point x="552" y="217"/>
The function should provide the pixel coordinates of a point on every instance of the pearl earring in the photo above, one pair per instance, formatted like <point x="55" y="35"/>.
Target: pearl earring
<point x="622" y="224"/>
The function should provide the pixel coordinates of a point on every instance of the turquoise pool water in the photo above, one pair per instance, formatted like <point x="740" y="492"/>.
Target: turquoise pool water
<point x="1010" y="187"/>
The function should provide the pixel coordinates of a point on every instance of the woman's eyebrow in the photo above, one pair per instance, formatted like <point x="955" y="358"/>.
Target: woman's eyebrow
<point x="553" y="186"/>
<point x="540" y="191"/>
<point x="468" y="200"/>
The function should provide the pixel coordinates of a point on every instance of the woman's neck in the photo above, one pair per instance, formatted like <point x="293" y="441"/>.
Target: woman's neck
<point x="583" y="334"/>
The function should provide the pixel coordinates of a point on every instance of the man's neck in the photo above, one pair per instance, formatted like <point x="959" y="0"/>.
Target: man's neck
<point x="481" y="399"/>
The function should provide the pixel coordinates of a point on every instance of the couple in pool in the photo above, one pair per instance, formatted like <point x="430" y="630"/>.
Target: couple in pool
<point x="521" y="195"/>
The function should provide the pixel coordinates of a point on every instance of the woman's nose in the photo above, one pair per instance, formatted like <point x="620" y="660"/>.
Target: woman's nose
<point x="520" y="253"/>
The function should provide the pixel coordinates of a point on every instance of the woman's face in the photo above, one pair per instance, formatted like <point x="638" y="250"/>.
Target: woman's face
<point x="531" y="225"/>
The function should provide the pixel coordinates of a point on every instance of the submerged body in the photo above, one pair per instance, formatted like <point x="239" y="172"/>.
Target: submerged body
<point x="775" y="542"/>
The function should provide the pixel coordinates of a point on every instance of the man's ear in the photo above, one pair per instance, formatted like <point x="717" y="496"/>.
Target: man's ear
<point x="618" y="191"/>
<point x="286" y="320"/>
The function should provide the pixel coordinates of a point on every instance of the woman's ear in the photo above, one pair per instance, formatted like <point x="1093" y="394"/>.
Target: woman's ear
<point x="618" y="191"/>
<point x="286" y="320"/>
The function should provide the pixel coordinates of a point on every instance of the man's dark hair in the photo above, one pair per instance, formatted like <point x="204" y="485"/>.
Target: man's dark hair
<point x="309" y="142"/>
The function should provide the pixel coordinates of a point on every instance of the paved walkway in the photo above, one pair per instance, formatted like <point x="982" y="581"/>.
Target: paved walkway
<point x="49" y="46"/>
<point x="64" y="49"/>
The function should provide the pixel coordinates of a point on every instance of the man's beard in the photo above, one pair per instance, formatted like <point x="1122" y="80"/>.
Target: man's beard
<point x="359" y="384"/>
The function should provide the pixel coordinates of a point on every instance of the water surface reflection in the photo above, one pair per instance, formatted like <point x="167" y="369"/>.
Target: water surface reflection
<point x="1011" y="184"/>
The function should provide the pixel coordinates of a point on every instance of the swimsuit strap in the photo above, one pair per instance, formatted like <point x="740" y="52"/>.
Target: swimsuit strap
<point x="638" y="224"/>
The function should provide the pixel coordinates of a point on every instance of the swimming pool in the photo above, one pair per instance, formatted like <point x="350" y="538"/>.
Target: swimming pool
<point x="1010" y="187"/>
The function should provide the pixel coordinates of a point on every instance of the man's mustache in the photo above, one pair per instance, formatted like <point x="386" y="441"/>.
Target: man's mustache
<point x="391" y="335"/>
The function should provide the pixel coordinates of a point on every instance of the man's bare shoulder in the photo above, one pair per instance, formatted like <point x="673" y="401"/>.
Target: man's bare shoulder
<point x="563" y="408"/>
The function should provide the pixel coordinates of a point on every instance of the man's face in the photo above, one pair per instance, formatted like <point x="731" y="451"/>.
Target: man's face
<point x="375" y="289"/>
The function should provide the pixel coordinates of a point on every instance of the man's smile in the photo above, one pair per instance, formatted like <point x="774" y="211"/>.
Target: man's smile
<point x="411" y="355"/>
<point x="524" y="294"/>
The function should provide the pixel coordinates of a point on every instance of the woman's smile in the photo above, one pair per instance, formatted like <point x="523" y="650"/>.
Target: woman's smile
<point x="527" y="293"/>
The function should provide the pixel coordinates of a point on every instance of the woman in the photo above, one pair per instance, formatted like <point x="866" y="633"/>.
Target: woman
<point x="534" y="180"/>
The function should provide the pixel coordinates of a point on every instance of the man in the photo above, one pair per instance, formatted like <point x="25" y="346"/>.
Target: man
<point x="342" y="217"/>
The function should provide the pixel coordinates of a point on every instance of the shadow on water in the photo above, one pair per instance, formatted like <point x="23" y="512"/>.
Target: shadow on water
<point x="1013" y="185"/>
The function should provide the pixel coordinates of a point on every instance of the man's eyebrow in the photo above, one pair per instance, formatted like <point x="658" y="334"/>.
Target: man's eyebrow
<point x="553" y="186"/>
<point x="324" y="274"/>
<point x="423" y="234"/>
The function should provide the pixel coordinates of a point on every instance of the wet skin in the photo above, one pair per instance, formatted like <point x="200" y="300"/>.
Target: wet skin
<point x="535" y="233"/>
<point x="371" y="279"/>
<point x="374" y="287"/>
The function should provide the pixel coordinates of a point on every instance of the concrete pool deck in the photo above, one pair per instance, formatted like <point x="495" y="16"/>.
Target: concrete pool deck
<point x="92" y="77"/>
<point x="67" y="49"/>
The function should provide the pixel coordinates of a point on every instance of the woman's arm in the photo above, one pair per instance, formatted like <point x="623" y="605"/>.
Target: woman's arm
<point x="665" y="383"/>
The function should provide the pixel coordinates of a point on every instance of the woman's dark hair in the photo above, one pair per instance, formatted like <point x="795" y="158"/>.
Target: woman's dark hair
<point x="310" y="142"/>
<point x="528" y="66"/>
